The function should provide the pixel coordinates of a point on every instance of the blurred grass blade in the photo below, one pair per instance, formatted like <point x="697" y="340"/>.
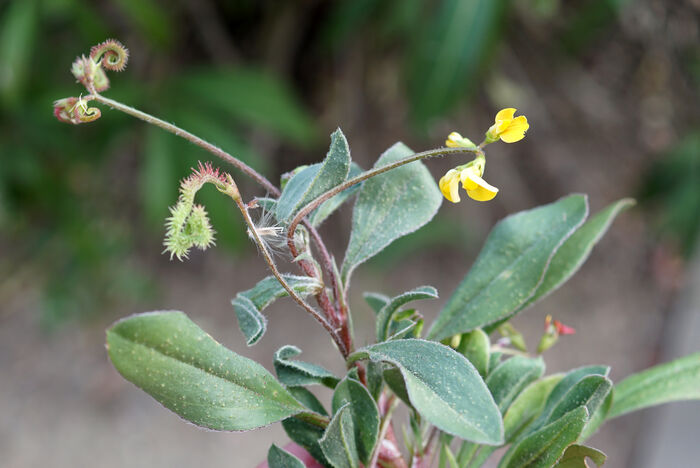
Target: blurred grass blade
<point x="17" y="37"/>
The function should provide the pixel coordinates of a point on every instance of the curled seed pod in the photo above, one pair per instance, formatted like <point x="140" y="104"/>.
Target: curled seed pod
<point x="63" y="109"/>
<point x="112" y="54"/>
<point x="75" y="110"/>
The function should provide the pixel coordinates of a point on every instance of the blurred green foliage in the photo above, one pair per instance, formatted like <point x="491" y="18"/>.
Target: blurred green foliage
<point x="672" y="186"/>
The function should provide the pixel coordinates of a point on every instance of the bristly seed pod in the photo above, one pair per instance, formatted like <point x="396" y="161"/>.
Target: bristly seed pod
<point x="75" y="110"/>
<point x="112" y="53"/>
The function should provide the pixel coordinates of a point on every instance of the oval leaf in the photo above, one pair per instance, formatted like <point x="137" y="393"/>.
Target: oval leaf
<point x="327" y="208"/>
<point x="390" y="206"/>
<point x="444" y="387"/>
<point x="177" y="363"/>
<point x="511" y="266"/>
<point x="590" y="392"/>
<point x="571" y="255"/>
<point x="674" y="381"/>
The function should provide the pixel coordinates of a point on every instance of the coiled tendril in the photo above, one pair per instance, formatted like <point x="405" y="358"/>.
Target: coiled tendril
<point x="113" y="54"/>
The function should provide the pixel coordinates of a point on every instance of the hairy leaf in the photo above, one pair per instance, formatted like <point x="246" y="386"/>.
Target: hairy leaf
<point x="574" y="252"/>
<point x="443" y="386"/>
<point x="390" y="206"/>
<point x="177" y="363"/>
<point x="511" y="266"/>
<point x="673" y="381"/>
<point x="528" y="405"/>
<point x="338" y="442"/>
<point x="297" y="373"/>
<point x="327" y="208"/>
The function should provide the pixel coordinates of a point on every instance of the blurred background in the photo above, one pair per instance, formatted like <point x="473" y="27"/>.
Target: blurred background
<point x="610" y="88"/>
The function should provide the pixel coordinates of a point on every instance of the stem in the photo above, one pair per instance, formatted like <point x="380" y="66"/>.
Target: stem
<point x="271" y="264"/>
<point x="301" y="214"/>
<point x="174" y="129"/>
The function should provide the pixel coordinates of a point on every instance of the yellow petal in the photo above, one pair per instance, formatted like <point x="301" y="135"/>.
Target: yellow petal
<point x="465" y="177"/>
<point x="505" y="114"/>
<point x="516" y="130"/>
<point x="483" y="191"/>
<point x="449" y="186"/>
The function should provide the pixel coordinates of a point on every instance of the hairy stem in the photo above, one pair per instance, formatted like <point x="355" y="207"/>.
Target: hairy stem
<point x="174" y="129"/>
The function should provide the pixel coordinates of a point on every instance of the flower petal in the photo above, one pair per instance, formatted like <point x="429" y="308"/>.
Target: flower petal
<point x="483" y="191"/>
<point x="505" y="114"/>
<point x="449" y="186"/>
<point x="516" y="130"/>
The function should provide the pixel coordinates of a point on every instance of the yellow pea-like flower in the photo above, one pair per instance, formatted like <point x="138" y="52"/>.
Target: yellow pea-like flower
<point x="507" y="127"/>
<point x="470" y="177"/>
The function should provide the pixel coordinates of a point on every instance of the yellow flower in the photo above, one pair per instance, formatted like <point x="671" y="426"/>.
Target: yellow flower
<point x="507" y="128"/>
<point x="470" y="177"/>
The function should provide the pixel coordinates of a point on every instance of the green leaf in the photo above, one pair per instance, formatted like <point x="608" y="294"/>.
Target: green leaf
<point x="443" y="386"/>
<point x="295" y="373"/>
<point x="590" y="392"/>
<point x="307" y="435"/>
<point x="278" y="458"/>
<point x="575" y="457"/>
<point x="543" y="448"/>
<point x="390" y="206"/>
<point x="511" y="377"/>
<point x="387" y="312"/>
<point x="674" y="381"/>
<point x="364" y="413"/>
<point x="494" y="360"/>
<point x="249" y="304"/>
<point x="528" y="405"/>
<point x="177" y="363"/>
<point x="316" y="179"/>
<point x="511" y="266"/>
<point x="571" y="255"/>
<point x="338" y="442"/>
<point x="327" y="208"/>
